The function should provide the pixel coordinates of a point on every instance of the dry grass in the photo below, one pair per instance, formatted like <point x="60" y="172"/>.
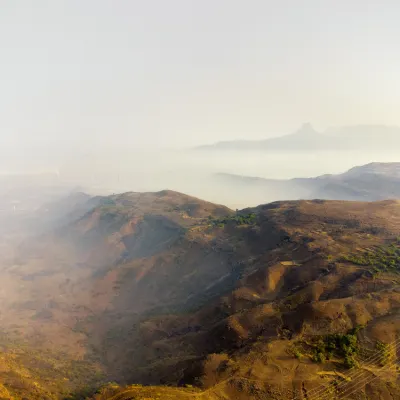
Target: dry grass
<point x="287" y="276"/>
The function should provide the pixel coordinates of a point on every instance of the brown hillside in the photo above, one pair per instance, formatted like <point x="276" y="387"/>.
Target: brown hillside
<point x="162" y="288"/>
<point x="296" y="284"/>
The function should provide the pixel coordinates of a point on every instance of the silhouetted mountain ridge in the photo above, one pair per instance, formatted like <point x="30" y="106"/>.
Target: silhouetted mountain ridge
<point x="371" y="182"/>
<point x="307" y="138"/>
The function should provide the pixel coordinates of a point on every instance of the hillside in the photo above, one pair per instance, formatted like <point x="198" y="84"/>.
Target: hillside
<point x="365" y="137"/>
<point x="57" y="281"/>
<point x="276" y="301"/>
<point x="371" y="182"/>
<point x="306" y="280"/>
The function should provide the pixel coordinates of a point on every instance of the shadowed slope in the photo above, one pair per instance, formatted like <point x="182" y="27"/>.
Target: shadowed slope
<point x="164" y="288"/>
<point x="298" y="283"/>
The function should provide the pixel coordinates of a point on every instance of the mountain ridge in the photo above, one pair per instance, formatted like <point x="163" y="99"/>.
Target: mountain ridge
<point x="166" y="289"/>
<point x="374" y="181"/>
<point x="307" y="138"/>
<point x="294" y="290"/>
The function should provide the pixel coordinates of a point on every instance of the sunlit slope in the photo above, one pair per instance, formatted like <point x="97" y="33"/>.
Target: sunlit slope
<point x="317" y="295"/>
<point x="164" y="289"/>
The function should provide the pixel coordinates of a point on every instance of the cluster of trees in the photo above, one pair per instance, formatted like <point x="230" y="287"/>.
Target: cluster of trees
<point x="108" y="202"/>
<point x="238" y="219"/>
<point x="337" y="345"/>
<point x="381" y="259"/>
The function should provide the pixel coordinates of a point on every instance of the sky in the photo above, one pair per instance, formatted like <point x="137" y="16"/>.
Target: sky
<point x="131" y="74"/>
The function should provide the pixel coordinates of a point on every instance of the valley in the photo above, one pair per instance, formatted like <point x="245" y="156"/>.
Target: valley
<point x="166" y="289"/>
<point x="172" y="227"/>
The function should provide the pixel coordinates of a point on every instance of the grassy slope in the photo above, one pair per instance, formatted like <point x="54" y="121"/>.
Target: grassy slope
<point x="37" y="374"/>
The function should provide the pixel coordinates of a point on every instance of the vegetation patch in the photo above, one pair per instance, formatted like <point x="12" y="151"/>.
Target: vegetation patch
<point x="107" y="201"/>
<point x="385" y="352"/>
<point x="238" y="219"/>
<point x="380" y="258"/>
<point x="338" y="347"/>
<point x="42" y="375"/>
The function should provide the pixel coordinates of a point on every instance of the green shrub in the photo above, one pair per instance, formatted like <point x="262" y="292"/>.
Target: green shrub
<point x="349" y="362"/>
<point x="381" y="259"/>
<point x="341" y="346"/>
<point x="319" y="357"/>
<point x="297" y="354"/>
<point x="245" y="219"/>
<point x="384" y="350"/>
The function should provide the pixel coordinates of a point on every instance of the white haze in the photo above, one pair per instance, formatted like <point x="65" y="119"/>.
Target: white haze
<point x="102" y="91"/>
<point x="191" y="172"/>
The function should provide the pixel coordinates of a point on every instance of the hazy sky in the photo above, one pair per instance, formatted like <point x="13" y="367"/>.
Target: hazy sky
<point x="186" y="72"/>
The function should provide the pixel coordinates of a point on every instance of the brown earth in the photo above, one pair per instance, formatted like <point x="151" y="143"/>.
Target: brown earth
<point x="160" y="288"/>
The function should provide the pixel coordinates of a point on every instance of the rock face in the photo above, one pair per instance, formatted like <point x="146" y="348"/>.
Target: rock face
<point x="276" y="301"/>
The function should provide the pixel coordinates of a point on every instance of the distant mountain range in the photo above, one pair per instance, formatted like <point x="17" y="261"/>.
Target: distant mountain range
<point x="371" y="182"/>
<point x="307" y="138"/>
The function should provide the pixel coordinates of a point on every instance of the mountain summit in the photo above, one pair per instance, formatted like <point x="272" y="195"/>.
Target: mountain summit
<point x="307" y="138"/>
<point x="306" y="130"/>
